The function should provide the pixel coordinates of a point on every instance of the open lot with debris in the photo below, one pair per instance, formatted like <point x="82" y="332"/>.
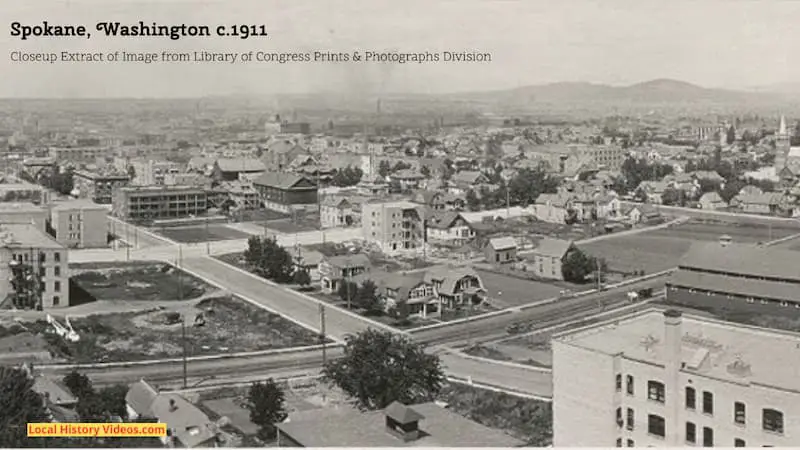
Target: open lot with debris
<point x="199" y="233"/>
<point x="654" y="251"/>
<point x="139" y="280"/>
<point x="215" y="325"/>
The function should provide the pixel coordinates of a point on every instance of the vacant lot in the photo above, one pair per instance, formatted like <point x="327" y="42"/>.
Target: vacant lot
<point x="293" y="226"/>
<point x="654" y="251"/>
<point x="137" y="281"/>
<point x="511" y="291"/>
<point x="198" y="233"/>
<point x="231" y="325"/>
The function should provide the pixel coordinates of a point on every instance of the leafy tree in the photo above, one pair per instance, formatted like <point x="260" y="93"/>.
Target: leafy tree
<point x="348" y="291"/>
<point x="268" y="259"/>
<point x="379" y="367"/>
<point x="349" y="176"/>
<point x="20" y="406"/>
<point x="302" y="278"/>
<point x="79" y="384"/>
<point x="730" y="136"/>
<point x="267" y="404"/>
<point x="673" y="197"/>
<point x="473" y="202"/>
<point x="368" y="298"/>
<point x="731" y="190"/>
<point x="528" y="184"/>
<point x="131" y="172"/>
<point x="401" y="166"/>
<point x="448" y="169"/>
<point x="577" y="266"/>
<point x="708" y="186"/>
<point x="384" y="168"/>
<point x="425" y="170"/>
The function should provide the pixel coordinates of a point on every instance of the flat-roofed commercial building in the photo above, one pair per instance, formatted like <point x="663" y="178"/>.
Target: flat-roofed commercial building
<point x="80" y="224"/>
<point x="25" y="214"/>
<point x="659" y="378"/>
<point x="738" y="277"/>
<point x="27" y="246"/>
<point x="159" y="202"/>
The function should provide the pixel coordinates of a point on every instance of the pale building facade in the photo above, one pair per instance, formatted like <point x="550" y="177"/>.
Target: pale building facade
<point x="27" y="245"/>
<point x="659" y="379"/>
<point x="80" y="224"/>
<point x="395" y="227"/>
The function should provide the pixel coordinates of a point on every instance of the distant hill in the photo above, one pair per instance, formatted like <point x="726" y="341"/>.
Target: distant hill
<point x="655" y="91"/>
<point x="791" y="88"/>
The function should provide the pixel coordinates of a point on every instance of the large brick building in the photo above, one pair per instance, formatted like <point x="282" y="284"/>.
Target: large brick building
<point x="286" y="192"/>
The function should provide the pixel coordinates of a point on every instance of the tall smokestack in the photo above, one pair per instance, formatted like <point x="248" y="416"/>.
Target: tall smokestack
<point x="673" y="338"/>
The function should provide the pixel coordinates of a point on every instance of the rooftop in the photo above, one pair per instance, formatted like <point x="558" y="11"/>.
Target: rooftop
<point x="713" y="348"/>
<point x="348" y="427"/>
<point x="76" y="204"/>
<point x="742" y="259"/>
<point x="25" y="235"/>
<point x="20" y="207"/>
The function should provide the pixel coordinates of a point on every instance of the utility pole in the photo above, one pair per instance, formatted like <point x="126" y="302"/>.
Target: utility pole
<point x="208" y="243"/>
<point x="323" y="334"/>
<point x="185" y="365"/>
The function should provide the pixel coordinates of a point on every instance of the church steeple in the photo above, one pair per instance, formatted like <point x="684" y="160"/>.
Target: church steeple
<point x="782" y="127"/>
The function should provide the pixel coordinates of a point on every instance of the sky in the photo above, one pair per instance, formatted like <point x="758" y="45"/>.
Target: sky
<point x="728" y="44"/>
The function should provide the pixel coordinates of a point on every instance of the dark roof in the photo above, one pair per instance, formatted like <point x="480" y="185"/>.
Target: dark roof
<point x="443" y="219"/>
<point x="347" y="261"/>
<point x="281" y="180"/>
<point x="753" y="288"/>
<point x="240" y="165"/>
<point x="349" y="427"/>
<point x="553" y="248"/>
<point x="741" y="259"/>
<point x="402" y="414"/>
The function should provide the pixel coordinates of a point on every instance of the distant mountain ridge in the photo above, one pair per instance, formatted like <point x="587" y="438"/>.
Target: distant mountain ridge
<point x="654" y="91"/>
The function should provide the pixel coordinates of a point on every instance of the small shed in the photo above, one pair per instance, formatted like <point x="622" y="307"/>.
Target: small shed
<point x="501" y="250"/>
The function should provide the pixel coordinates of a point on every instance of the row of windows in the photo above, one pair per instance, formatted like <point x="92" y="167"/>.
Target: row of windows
<point x="56" y="271"/>
<point x="771" y="419"/>
<point x="26" y="257"/>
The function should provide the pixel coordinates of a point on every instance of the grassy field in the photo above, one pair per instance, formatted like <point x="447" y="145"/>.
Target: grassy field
<point x="527" y="420"/>
<point x="292" y="226"/>
<point x="199" y="233"/>
<point x="654" y="251"/>
<point x="231" y="325"/>
<point x="137" y="281"/>
<point x="511" y="291"/>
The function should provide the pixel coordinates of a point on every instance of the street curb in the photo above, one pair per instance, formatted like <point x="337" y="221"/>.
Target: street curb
<point x="502" y="363"/>
<point x="489" y="387"/>
<point x="150" y="362"/>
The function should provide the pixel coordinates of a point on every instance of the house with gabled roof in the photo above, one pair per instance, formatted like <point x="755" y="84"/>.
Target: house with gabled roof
<point x="281" y="153"/>
<point x="461" y="182"/>
<point x="230" y="169"/>
<point x="712" y="201"/>
<point x="334" y="270"/>
<point x="187" y="425"/>
<point x="501" y="250"/>
<point x="449" y="227"/>
<point x="547" y="259"/>
<point x="336" y="212"/>
<point x="553" y="208"/>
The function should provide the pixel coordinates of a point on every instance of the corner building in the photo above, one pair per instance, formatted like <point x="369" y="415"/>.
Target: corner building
<point x="665" y="380"/>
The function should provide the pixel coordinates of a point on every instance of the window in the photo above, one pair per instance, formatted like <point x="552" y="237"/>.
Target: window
<point x="629" y="384"/>
<point x="496" y="257"/>
<point x="691" y="398"/>
<point x="619" y="442"/>
<point x="631" y="443"/>
<point x="42" y="257"/>
<point x="57" y="271"/>
<point x="708" y="402"/>
<point x="708" y="437"/>
<point x="57" y="257"/>
<point x="619" y="382"/>
<point x="772" y="420"/>
<point x="655" y="391"/>
<point x="57" y="286"/>
<point x="656" y="425"/>
<point x="739" y="413"/>
<point x="42" y="272"/>
<point x="691" y="432"/>
<point x="739" y="443"/>
<point x="630" y="419"/>
<point x="56" y="300"/>
<point x="620" y="422"/>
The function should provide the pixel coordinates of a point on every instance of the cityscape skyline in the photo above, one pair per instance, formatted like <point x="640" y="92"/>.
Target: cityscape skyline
<point x="533" y="43"/>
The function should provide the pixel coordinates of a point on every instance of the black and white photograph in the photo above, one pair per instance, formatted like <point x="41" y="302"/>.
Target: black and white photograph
<point x="354" y="223"/>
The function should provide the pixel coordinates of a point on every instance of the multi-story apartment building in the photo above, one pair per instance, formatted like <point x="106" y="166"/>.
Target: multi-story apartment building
<point x="80" y="224"/>
<point x="24" y="192"/>
<point x="80" y="155"/>
<point x="658" y="378"/>
<point x="609" y="157"/>
<point x="26" y="245"/>
<point x="24" y="213"/>
<point x="159" y="202"/>
<point x="394" y="226"/>
<point x="98" y="186"/>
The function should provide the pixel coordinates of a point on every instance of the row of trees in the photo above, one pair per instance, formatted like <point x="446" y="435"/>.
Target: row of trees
<point x="268" y="259"/>
<point x="522" y="190"/>
<point x="578" y="266"/>
<point x="349" y="176"/>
